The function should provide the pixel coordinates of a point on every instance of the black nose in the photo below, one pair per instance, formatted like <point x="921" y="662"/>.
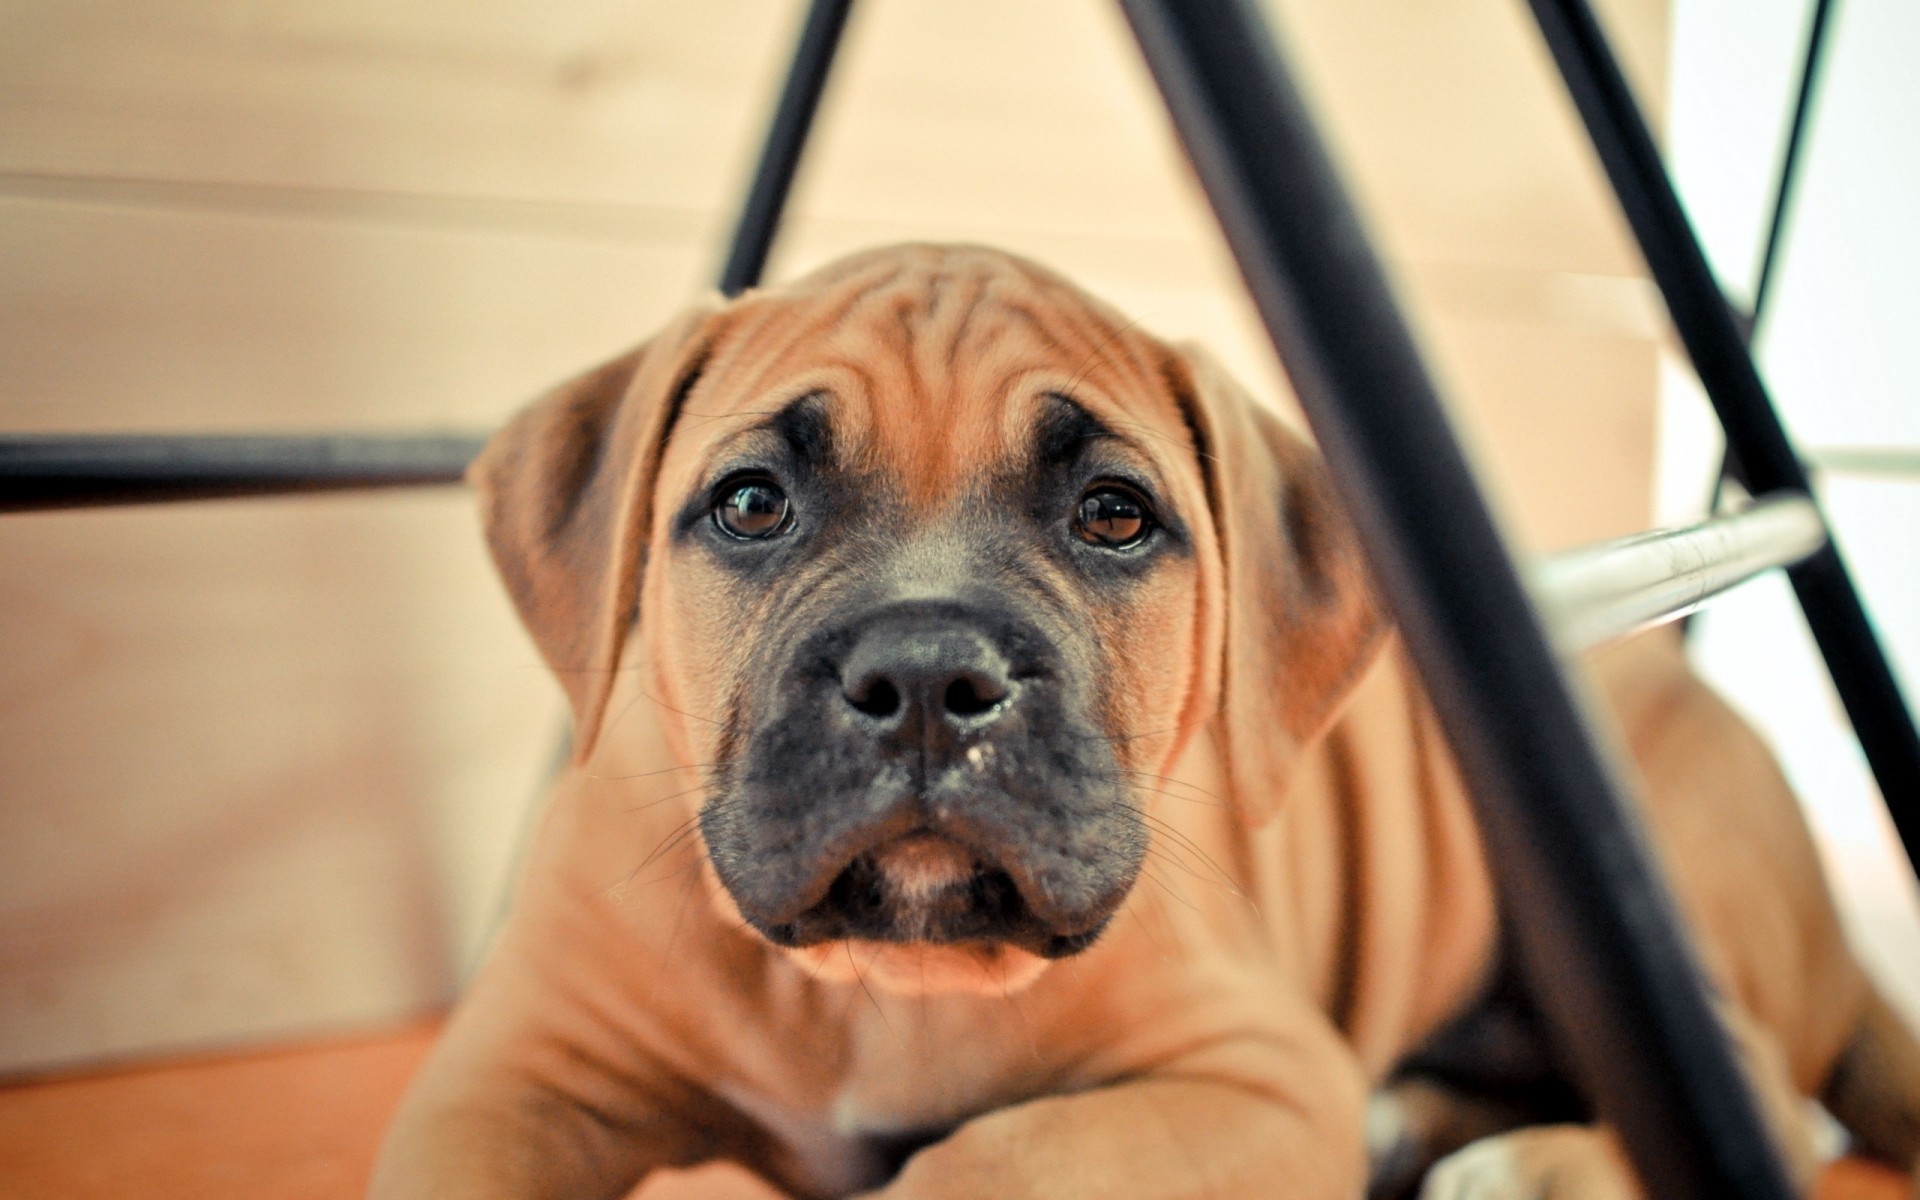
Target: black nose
<point x="931" y="672"/>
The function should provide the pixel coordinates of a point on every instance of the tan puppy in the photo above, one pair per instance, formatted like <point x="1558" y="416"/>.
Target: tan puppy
<point x="993" y="778"/>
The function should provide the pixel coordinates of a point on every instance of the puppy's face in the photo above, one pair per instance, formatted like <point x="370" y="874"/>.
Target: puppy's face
<point x="923" y="576"/>
<point x="932" y="565"/>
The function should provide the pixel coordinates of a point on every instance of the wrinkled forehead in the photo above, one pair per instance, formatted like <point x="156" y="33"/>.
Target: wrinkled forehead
<point x="930" y="368"/>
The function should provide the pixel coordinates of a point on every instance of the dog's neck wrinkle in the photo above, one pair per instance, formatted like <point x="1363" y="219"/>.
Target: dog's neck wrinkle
<point x="1342" y="977"/>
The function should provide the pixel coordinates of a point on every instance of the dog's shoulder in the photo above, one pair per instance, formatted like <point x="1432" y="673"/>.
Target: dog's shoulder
<point x="1389" y="906"/>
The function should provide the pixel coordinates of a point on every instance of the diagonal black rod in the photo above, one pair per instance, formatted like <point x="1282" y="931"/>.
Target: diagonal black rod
<point x="1596" y="928"/>
<point x="1755" y="437"/>
<point x="1783" y="186"/>
<point x="786" y="140"/>
<point x="1783" y="189"/>
<point x="42" y="473"/>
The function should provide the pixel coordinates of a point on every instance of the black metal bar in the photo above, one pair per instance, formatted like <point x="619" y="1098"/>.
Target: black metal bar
<point x="786" y="139"/>
<point x="1790" y="163"/>
<point x="39" y="473"/>
<point x="1713" y="340"/>
<point x="1595" y="925"/>
<point x="1783" y="188"/>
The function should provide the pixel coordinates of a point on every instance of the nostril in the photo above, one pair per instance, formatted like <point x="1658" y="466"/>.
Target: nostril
<point x="966" y="697"/>
<point x="878" y="699"/>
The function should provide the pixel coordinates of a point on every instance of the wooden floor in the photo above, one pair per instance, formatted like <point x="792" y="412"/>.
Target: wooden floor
<point x="303" y="1124"/>
<point x="298" y="1124"/>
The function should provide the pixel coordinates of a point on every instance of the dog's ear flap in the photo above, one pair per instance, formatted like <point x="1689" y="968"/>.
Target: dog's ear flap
<point x="566" y="499"/>
<point x="1300" y="620"/>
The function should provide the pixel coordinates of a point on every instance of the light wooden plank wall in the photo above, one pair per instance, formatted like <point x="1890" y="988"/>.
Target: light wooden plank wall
<point x="264" y="764"/>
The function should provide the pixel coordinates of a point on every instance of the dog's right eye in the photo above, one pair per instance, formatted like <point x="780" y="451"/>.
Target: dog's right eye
<point x="1114" y="517"/>
<point x="753" y="510"/>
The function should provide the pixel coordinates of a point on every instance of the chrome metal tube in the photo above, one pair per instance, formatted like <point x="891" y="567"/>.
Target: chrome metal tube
<point x="1892" y="462"/>
<point x="1597" y="593"/>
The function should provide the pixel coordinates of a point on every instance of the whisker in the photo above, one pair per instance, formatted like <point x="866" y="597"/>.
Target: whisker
<point x="611" y="722"/>
<point x="813" y="974"/>
<point x="656" y="802"/>
<point x="683" y="712"/>
<point x="1136" y="735"/>
<point x="1183" y="842"/>
<point x="621" y="669"/>
<point x="673" y="936"/>
<point x="1162" y="884"/>
<point x="1161" y="856"/>
<point x="680" y="833"/>
<point x="1099" y="349"/>
<point x="650" y="774"/>
<point x="622" y="891"/>
<point x="871" y="998"/>
<point x="1210" y="799"/>
<point x="1136" y="905"/>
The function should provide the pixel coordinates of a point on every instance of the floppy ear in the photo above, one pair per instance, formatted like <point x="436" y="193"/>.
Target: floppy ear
<point x="566" y="498"/>
<point x="1300" y="619"/>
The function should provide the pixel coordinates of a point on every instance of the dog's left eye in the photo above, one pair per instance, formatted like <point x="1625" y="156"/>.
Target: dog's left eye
<point x="1113" y="516"/>
<point x="753" y="510"/>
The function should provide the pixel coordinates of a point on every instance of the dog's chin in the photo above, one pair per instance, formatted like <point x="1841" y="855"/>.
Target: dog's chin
<point x="923" y="968"/>
<point x="924" y="914"/>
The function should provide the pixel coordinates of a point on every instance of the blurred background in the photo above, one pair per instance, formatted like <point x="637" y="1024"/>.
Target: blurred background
<point x="265" y="764"/>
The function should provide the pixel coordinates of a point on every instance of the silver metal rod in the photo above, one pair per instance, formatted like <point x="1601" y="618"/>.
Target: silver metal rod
<point x="1898" y="462"/>
<point x="1595" y="594"/>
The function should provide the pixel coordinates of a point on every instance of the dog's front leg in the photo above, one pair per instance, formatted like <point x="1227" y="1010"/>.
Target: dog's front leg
<point x="539" y="1087"/>
<point x="1222" y="1124"/>
<point x="547" y="1121"/>
<point x="526" y="1140"/>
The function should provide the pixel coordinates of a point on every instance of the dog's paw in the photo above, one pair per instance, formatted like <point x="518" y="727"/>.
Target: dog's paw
<point x="1547" y="1162"/>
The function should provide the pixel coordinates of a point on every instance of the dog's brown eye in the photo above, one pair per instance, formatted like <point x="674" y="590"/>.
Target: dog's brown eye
<point x="752" y="511"/>
<point x="1111" y="516"/>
